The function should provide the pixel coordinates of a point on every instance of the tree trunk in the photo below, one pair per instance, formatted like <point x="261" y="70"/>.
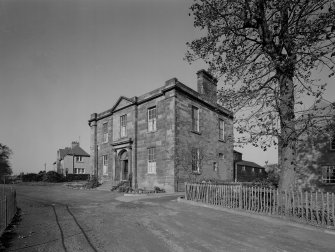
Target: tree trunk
<point x="287" y="139"/>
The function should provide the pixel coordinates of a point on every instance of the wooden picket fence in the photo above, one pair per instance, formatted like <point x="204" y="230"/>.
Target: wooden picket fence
<point x="7" y="208"/>
<point x="314" y="208"/>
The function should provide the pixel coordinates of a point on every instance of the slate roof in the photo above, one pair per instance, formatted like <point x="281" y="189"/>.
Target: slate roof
<point x="248" y="163"/>
<point x="76" y="151"/>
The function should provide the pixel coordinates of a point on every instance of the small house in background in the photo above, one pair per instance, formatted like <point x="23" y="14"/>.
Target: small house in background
<point x="72" y="160"/>
<point x="246" y="171"/>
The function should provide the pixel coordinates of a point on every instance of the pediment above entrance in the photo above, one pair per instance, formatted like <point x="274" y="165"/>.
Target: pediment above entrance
<point x="122" y="102"/>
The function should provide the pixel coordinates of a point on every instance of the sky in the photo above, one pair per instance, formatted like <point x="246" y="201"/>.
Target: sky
<point x="62" y="60"/>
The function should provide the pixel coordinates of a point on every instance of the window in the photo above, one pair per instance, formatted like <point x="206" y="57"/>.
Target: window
<point x="152" y="118"/>
<point x="152" y="160"/>
<point x="332" y="143"/>
<point x="123" y="124"/>
<point x="79" y="171"/>
<point x="105" y="132"/>
<point x="221" y="129"/>
<point x="196" y="160"/>
<point x="104" y="165"/>
<point x="215" y="166"/>
<point x="221" y="156"/>
<point x="328" y="174"/>
<point x="253" y="170"/>
<point x="79" y="159"/>
<point x="243" y="168"/>
<point x="195" y="119"/>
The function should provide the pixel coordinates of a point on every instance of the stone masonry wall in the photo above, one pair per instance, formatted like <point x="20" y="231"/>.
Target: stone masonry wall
<point x="162" y="139"/>
<point x="207" y="140"/>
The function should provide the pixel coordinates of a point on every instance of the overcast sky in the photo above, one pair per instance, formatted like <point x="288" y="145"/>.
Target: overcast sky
<point x="61" y="60"/>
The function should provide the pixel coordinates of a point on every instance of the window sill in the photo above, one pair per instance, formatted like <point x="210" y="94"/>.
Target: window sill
<point x="154" y="131"/>
<point x="151" y="174"/>
<point x="328" y="184"/>
<point x="196" y="132"/>
<point x="196" y="172"/>
<point x="222" y="140"/>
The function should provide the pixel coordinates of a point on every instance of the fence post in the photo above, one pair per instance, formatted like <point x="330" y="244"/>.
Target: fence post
<point x="6" y="211"/>
<point x="328" y="220"/>
<point x="240" y="196"/>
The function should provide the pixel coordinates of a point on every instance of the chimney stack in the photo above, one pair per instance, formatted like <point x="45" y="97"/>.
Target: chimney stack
<point x="207" y="87"/>
<point x="74" y="144"/>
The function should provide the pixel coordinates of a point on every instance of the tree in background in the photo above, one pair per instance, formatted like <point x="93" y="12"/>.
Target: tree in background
<point x="5" y="153"/>
<point x="267" y="50"/>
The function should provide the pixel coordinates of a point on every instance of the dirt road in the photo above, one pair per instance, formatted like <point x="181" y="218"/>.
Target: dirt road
<point x="56" y="218"/>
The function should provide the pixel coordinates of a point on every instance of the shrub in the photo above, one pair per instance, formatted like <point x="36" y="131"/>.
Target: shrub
<point x="73" y="177"/>
<point x="30" y="177"/>
<point x="92" y="183"/>
<point x="54" y="177"/>
<point x="159" y="190"/>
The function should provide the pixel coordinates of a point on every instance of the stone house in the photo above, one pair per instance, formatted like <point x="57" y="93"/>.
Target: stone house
<point x="246" y="171"/>
<point x="73" y="160"/>
<point x="316" y="149"/>
<point x="162" y="137"/>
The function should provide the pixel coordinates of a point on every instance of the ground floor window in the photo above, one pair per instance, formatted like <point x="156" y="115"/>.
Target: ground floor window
<point x="79" y="170"/>
<point x="196" y="160"/>
<point x="328" y="174"/>
<point x="105" y="164"/>
<point x="152" y="160"/>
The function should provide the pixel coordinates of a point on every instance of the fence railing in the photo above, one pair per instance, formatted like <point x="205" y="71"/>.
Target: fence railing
<point x="315" y="208"/>
<point x="7" y="208"/>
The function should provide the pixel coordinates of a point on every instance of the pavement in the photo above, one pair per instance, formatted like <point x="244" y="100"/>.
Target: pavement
<point x="57" y="218"/>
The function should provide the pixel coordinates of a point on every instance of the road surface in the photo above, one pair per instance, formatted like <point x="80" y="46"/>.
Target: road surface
<point x="57" y="218"/>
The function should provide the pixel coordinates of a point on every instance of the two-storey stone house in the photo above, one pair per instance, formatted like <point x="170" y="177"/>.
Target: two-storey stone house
<point x="164" y="136"/>
<point x="316" y="149"/>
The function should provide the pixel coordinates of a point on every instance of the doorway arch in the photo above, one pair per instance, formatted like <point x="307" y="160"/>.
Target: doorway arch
<point x="124" y="165"/>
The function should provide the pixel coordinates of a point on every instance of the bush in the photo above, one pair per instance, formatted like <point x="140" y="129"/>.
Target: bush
<point x="73" y="177"/>
<point x="54" y="177"/>
<point x="30" y="177"/>
<point x="92" y="183"/>
<point x="159" y="190"/>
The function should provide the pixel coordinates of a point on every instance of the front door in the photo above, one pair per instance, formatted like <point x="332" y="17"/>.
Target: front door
<point x="124" y="169"/>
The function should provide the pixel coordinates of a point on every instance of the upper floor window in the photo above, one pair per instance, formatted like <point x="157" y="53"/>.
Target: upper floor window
<point x="152" y="160"/>
<point x="79" y="159"/>
<point x="221" y="129"/>
<point x="221" y="156"/>
<point x="105" y="132"/>
<point x="195" y="160"/>
<point x="328" y="174"/>
<point x="195" y="119"/>
<point x="152" y="118"/>
<point x="123" y="125"/>
<point x="332" y="143"/>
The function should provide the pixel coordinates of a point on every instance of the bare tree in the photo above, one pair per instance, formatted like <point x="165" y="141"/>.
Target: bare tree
<point x="267" y="50"/>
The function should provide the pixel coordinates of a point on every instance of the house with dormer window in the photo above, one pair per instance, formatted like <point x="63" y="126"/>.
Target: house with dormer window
<point x="143" y="138"/>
